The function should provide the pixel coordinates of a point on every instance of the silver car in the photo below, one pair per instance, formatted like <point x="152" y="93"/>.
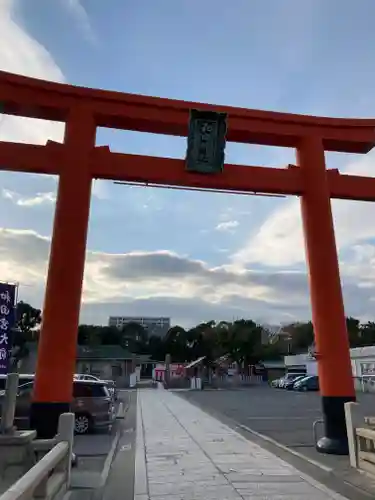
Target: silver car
<point x="92" y="405"/>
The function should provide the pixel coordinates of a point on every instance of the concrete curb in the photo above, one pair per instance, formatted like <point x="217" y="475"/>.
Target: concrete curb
<point x="98" y="494"/>
<point x="109" y="459"/>
<point x="120" y="411"/>
<point x="285" y="448"/>
<point x="107" y="466"/>
<point x="94" y="484"/>
<point x="96" y="481"/>
<point x="140" y="470"/>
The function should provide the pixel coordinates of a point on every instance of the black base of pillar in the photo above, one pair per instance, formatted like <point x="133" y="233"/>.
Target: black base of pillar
<point x="333" y="446"/>
<point x="335" y="440"/>
<point x="44" y="418"/>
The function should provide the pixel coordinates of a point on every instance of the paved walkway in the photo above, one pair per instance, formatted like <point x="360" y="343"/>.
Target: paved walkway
<point x="183" y="453"/>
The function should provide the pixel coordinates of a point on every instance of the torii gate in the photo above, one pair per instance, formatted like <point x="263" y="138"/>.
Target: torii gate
<point x="77" y="161"/>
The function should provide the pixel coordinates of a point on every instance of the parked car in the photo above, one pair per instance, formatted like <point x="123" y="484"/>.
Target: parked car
<point x="92" y="405"/>
<point x="289" y="377"/>
<point x="110" y="383"/>
<point x="309" y="383"/>
<point x="278" y="382"/>
<point x="289" y="384"/>
<point x="24" y="378"/>
<point x="275" y="383"/>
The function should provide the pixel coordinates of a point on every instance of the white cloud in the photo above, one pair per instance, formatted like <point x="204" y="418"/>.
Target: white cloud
<point x="165" y="283"/>
<point x="100" y="189"/>
<point x="140" y="275"/>
<point x="79" y="12"/>
<point x="279" y="241"/>
<point x="23" y="55"/>
<point x="23" y="201"/>
<point x="227" y="226"/>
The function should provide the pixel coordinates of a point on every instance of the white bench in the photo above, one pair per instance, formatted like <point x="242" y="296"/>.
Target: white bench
<point x="366" y="449"/>
<point x="361" y="438"/>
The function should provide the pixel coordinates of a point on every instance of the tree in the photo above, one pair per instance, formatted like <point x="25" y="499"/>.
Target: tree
<point x="201" y="341"/>
<point x="94" y="335"/>
<point x="271" y="352"/>
<point x="156" y="348"/>
<point x="176" y="344"/>
<point x="301" y="337"/>
<point x="133" y="336"/>
<point x="367" y="334"/>
<point x="110" y="335"/>
<point x="174" y="333"/>
<point x="243" y="342"/>
<point x="28" y="320"/>
<point x="353" y="327"/>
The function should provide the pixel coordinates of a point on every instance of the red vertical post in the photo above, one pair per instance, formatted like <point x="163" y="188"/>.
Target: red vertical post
<point x="58" y="337"/>
<point x="331" y="337"/>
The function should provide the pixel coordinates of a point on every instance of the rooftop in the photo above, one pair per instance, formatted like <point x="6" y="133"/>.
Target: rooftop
<point x="103" y="352"/>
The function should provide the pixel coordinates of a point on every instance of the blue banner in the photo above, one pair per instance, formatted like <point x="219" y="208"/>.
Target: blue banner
<point x="7" y="322"/>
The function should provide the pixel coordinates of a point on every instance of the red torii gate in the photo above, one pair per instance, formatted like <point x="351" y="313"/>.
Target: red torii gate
<point x="77" y="161"/>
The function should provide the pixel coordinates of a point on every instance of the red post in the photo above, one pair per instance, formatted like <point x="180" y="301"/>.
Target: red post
<point x="331" y="337"/>
<point x="58" y="338"/>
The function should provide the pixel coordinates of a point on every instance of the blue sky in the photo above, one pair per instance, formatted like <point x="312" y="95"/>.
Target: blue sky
<point x="311" y="57"/>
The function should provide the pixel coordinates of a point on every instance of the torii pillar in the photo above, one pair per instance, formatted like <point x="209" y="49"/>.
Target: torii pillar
<point x="333" y="354"/>
<point x="57" y="350"/>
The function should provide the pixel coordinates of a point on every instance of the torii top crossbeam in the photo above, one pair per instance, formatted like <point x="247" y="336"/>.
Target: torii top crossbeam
<point x="29" y="97"/>
<point x="34" y="98"/>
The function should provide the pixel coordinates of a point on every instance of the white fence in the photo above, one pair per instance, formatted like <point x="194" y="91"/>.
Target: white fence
<point x="133" y="380"/>
<point x="49" y="478"/>
<point x="235" y="380"/>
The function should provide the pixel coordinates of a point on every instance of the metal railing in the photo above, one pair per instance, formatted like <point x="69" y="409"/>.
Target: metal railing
<point x="50" y="476"/>
<point x="316" y="424"/>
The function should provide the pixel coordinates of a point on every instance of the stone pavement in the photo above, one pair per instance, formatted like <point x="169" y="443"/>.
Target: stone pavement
<point x="183" y="453"/>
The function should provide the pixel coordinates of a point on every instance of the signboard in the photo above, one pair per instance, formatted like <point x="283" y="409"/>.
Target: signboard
<point x="7" y="321"/>
<point x="206" y="142"/>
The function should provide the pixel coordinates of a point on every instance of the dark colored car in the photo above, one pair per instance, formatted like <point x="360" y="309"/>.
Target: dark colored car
<point x="289" y="384"/>
<point x="92" y="405"/>
<point x="310" y="383"/>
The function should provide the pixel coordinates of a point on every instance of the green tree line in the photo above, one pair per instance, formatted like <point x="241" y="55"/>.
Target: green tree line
<point x="244" y="340"/>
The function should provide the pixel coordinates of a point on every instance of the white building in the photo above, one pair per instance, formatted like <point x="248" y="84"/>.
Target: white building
<point x="363" y="366"/>
<point x="153" y="325"/>
<point x="303" y="361"/>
